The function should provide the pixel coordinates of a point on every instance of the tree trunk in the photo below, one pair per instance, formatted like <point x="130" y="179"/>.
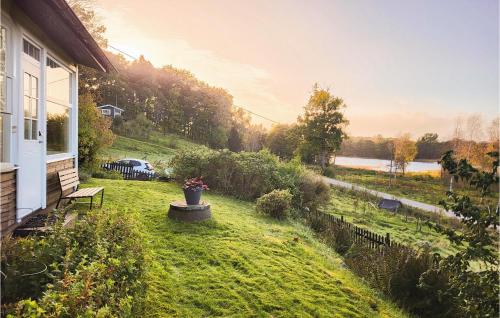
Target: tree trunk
<point x="322" y="158"/>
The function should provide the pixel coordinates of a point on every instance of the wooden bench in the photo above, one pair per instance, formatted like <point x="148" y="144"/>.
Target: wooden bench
<point x="68" y="179"/>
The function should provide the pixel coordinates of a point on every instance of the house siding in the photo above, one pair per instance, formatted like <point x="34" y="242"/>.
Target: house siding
<point x="53" y="186"/>
<point x="7" y="201"/>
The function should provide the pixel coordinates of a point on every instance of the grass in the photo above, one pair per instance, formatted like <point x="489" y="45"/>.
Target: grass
<point x="363" y="211"/>
<point x="158" y="148"/>
<point x="239" y="264"/>
<point x="424" y="187"/>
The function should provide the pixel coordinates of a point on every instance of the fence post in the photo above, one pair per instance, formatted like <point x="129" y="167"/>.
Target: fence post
<point x="387" y="239"/>
<point x="342" y="218"/>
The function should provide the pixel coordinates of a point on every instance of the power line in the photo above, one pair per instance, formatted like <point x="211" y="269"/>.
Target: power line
<point x="117" y="49"/>
<point x="248" y="111"/>
<point x="251" y="112"/>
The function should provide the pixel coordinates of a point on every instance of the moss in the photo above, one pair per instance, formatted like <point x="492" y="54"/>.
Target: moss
<point x="239" y="264"/>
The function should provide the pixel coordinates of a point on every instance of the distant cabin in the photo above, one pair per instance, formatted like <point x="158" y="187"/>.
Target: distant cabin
<point x="110" y="111"/>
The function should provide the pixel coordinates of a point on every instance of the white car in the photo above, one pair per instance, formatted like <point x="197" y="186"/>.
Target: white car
<point x="138" y="165"/>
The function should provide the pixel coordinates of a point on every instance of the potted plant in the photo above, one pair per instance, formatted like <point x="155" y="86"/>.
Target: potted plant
<point x="192" y="190"/>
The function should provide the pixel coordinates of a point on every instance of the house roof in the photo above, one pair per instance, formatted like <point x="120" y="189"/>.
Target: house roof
<point x="112" y="106"/>
<point x="60" y="23"/>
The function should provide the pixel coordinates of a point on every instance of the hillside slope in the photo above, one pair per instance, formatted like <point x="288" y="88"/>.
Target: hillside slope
<point x="239" y="264"/>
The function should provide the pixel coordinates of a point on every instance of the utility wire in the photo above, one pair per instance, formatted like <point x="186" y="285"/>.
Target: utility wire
<point x="117" y="49"/>
<point x="251" y="112"/>
<point x="248" y="111"/>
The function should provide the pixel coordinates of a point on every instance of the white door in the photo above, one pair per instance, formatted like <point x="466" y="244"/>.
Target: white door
<point x="30" y="188"/>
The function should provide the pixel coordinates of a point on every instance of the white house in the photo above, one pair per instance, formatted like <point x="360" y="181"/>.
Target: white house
<point x="110" y="110"/>
<point x="42" y="42"/>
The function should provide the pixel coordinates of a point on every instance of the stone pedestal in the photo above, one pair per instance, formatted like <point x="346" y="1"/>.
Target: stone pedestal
<point x="180" y="211"/>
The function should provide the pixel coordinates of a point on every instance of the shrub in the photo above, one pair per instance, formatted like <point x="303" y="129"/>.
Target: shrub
<point x="330" y="172"/>
<point x="313" y="192"/>
<point x="140" y="127"/>
<point x="94" y="131"/>
<point x="93" y="269"/>
<point x="316" y="222"/>
<point x="276" y="204"/>
<point x="398" y="273"/>
<point x="340" y="239"/>
<point x="108" y="174"/>
<point x="249" y="175"/>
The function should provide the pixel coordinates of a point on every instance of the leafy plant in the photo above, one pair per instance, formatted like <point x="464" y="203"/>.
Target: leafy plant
<point x="194" y="184"/>
<point x="94" y="131"/>
<point x="475" y="291"/>
<point x="276" y="204"/>
<point x="93" y="269"/>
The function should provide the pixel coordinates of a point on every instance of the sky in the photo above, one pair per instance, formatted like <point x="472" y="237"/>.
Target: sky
<point x="399" y="66"/>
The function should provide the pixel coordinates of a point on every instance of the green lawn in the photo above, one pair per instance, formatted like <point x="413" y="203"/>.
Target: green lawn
<point x="423" y="187"/>
<point x="239" y="264"/>
<point x="364" y="212"/>
<point x="158" y="148"/>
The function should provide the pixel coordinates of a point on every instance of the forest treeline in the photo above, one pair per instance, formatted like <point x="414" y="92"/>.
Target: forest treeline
<point x="379" y="147"/>
<point x="175" y="101"/>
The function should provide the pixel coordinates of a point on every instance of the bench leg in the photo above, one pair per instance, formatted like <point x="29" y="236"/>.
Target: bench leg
<point x="102" y="197"/>
<point x="91" y="202"/>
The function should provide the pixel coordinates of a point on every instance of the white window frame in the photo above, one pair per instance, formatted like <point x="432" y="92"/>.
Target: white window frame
<point x="7" y="113"/>
<point x="72" y="131"/>
<point x="106" y="111"/>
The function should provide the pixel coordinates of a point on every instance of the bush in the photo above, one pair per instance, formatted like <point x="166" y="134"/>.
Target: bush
<point x="340" y="239"/>
<point x="276" y="204"/>
<point x="313" y="192"/>
<point x="329" y="172"/>
<point x="94" y="131"/>
<point x="140" y="127"/>
<point x="93" y="269"/>
<point x="398" y="273"/>
<point x="108" y="174"/>
<point x="249" y="175"/>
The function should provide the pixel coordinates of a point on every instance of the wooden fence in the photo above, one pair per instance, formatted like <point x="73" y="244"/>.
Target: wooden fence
<point x="128" y="171"/>
<point x="357" y="234"/>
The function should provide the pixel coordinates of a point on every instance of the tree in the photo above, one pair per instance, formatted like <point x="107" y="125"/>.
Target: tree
<point x="405" y="151"/>
<point x="475" y="290"/>
<point x="84" y="9"/>
<point x="234" y="141"/>
<point x="494" y="134"/>
<point x="283" y="140"/>
<point x="428" y="138"/>
<point x="255" y="138"/>
<point x="94" y="131"/>
<point x="323" y="125"/>
<point x="139" y="127"/>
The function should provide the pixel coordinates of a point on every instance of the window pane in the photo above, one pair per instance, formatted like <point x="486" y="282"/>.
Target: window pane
<point x="27" y="106"/>
<point x="26" y="84"/>
<point x="31" y="50"/>
<point x="27" y="129"/>
<point x="34" y="87"/>
<point x="34" y="108"/>
<point x="57" y="128"/>
<point x="58" y="83"/>
<point x="34" y="129"/>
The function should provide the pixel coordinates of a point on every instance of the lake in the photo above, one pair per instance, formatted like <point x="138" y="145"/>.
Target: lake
<point x="383" y="165"/>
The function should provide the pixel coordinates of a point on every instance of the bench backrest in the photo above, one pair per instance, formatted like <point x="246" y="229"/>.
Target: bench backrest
<point x="68" y="179"/>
